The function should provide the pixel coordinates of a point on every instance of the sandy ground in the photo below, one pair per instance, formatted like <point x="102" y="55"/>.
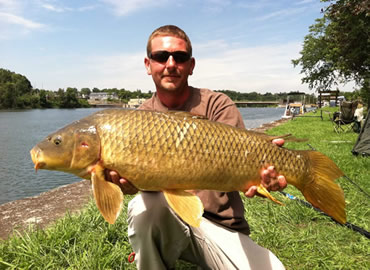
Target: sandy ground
<point x="49" y="206"/>
<point x="44" y="209"/>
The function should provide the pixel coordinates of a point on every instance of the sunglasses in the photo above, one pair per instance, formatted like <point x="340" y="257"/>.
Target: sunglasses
<point x="162" y="56"/>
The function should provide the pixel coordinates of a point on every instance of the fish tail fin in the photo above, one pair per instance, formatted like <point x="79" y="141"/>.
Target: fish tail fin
<point x="321" y="190"/>
<point x="108" y="196"/>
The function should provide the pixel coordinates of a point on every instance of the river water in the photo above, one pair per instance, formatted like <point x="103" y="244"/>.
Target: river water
<point x="21" y="130"/>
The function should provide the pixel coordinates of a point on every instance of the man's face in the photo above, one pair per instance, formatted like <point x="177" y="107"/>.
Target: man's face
<point x="169" y="75"/>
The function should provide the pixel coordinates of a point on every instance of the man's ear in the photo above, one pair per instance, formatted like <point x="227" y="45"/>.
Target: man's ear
<point x="192" y="66"/>
<point x="147" y="65"/>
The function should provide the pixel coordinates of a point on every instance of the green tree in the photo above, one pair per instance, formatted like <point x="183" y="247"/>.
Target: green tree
<point x="337" y="48"/>
<point x="70" y="99"/>
<point x="7" y="95"/>
<point x="15" y="90"/>
<point x="85" y="91"/>
<point x="44" y="99"/>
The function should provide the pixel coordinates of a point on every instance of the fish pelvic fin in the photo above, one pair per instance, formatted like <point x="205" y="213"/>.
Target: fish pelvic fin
<point x="321" y="190"/>
<point x="264" y="192"/>
<point x="186" y="205"/>
<point x="108" y="196"/>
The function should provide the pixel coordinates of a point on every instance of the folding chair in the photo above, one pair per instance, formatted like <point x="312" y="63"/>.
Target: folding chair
<point x="345" y="119"/>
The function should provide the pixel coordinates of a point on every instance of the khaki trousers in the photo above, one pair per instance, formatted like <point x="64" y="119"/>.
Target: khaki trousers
<point x="159" y="238"/>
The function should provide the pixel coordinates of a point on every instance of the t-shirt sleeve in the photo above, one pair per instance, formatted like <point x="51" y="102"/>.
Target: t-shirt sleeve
<point x="222" y="109"/>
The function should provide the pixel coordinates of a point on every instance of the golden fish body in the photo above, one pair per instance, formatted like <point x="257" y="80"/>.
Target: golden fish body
<point x="176" y="151"/>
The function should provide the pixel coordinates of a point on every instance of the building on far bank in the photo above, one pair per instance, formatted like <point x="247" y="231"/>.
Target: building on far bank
<point x="102" y="97"/>
<point x="135" y="102"/>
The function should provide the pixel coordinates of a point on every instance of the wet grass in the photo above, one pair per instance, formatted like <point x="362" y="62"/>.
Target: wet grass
<point x="301" y="237"/>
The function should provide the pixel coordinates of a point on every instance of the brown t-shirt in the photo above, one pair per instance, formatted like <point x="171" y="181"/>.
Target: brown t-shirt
<point x="225" y="208"/>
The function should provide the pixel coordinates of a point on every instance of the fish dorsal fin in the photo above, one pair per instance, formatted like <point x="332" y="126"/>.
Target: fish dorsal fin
<point x="286" y="137"/>
<point x="186" y="205"/>
<point x="289" y="138"/>
<point x="108" y="196"/>
<point x="183" y="114"/>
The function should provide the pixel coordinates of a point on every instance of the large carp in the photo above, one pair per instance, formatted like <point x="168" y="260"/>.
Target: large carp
<point x="176" y="151"/>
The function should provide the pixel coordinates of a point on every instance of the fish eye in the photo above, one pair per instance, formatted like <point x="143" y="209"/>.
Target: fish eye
<point x="58" y="140"/>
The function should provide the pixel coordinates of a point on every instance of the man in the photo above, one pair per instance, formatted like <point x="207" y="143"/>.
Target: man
<point x="158" y="236"/>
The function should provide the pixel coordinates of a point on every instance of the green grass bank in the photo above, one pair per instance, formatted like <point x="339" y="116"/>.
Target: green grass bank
<point x="301" y="237"/>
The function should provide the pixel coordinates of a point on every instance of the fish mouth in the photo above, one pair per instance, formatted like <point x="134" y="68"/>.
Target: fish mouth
<point x="39" y="165"/>
<point x="35" y="155"/>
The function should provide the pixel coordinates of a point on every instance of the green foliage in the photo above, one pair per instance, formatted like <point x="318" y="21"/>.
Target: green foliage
<point x="44" y="101"/>
<point x="69" y="98"/>
<point x="85" y="91"/>
<point x="254" y="96"/>
<point x="337" y="48"/>
<point x="15" y="90"/>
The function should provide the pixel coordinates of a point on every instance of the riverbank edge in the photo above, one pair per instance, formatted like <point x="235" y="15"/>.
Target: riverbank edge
<point x="44" y="209"/>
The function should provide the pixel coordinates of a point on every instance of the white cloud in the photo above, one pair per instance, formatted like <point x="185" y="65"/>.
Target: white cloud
<point x="216" y="6"/>
<point x="283" y="13"/>
<point x="86" y="8"/>
<point x="9" y="5"/>
<point x="18" y="20"/>
<point x="60" y="9"/>
<point x="53" y="8"/>
<point x="303" y="2"/>
<point x="122" y="8"/>
<point x="261" y="69"/>
<point x="122" y="70"/>
<point x="12" y="21"/>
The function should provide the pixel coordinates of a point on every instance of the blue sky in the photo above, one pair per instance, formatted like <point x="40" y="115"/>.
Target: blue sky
<point x="239" y="45"/>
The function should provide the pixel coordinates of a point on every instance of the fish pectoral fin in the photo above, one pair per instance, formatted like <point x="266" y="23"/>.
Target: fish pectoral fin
<point x="186" y="205"/>
<point x="264" y="192"/>
<point x="108" y="196"/>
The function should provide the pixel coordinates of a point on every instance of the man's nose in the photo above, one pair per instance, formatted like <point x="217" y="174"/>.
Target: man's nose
<point x="170" y="61"/>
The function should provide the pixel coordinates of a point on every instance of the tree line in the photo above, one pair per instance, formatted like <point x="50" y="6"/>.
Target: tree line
<point x="16" y="92"/>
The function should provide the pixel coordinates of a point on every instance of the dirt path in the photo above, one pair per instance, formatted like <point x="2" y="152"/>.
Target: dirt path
<point x="44" y="209"/>
<point x="49" y="206"/>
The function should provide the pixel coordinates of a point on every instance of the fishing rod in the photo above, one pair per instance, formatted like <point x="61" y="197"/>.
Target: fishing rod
<point x="345" y="176"/>
<point x="347" y="224"/>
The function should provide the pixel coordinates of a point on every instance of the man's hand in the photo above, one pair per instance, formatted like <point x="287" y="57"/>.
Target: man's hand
<point x="126" y="186"/>
<point x="269" y="177"/>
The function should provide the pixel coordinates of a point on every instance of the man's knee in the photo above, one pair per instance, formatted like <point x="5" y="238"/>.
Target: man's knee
<point x="147" y="209"/>
<point x="149" y="214"/>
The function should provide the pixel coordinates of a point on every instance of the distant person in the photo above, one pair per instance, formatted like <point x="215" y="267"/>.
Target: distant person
<point x="157" y="235"/>
<point x="359" y="116"/>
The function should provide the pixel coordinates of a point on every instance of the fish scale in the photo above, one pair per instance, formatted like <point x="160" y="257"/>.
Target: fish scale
<point x="177" y="151"/>
<point x="203" y="144"/>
